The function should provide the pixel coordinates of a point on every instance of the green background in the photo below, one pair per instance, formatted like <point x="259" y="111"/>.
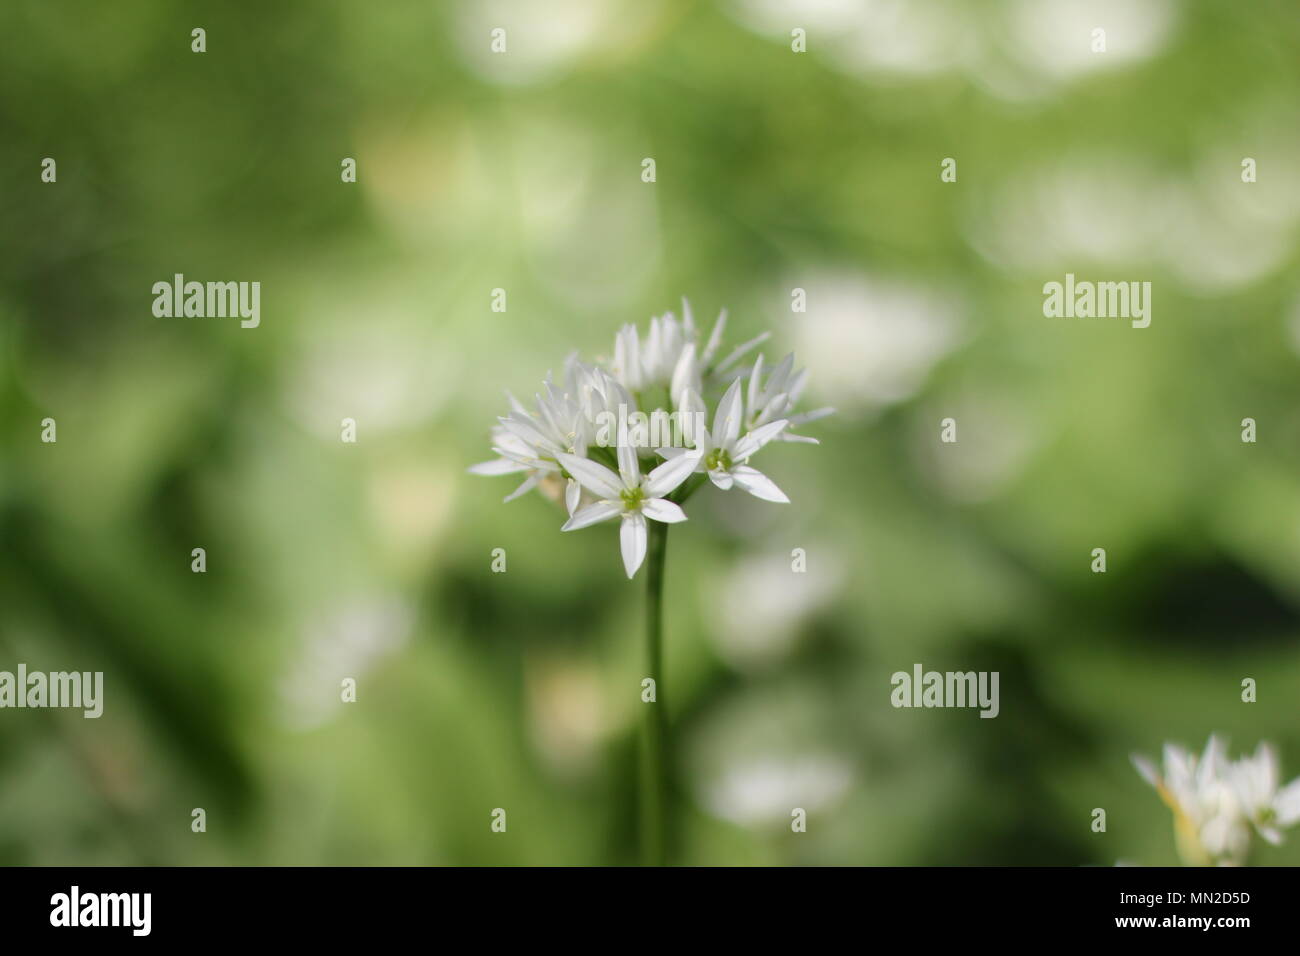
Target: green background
<point x="775" y="170"/>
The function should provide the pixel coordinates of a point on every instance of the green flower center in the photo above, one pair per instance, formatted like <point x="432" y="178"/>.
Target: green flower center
<point x="632" y="498"/>
<point x="718" y="458"/>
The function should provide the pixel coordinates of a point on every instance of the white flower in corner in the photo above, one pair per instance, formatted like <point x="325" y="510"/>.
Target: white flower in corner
<point x="1216" y="801"/>
<point x="1208" y="823"/>
<point x="723" y="454"/>
<point x="1255" y="780"/>
<point x="630" y="495"/>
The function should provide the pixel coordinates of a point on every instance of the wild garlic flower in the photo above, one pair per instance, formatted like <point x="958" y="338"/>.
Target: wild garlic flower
<point x="630" y="495"/>
<point x="724" y="455"/>
<point x="564" y="422"/>
<point x="1216" y="801"/>
<point x="521" y="456"/>
<point x="776" y="397"/>
<point x="1268" y="809"/>
<point x="596" y="435"/>
<point x="670" y="357"/>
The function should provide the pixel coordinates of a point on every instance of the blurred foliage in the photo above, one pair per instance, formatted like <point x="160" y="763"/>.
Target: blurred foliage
<point x="521" y="171"/>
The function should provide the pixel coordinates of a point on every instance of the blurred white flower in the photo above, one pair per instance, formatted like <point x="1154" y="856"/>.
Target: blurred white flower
<point x="1097" y="209"/>
<point x="1263" y="804"/>
<point x="873" y="341"/>
<point x="759" y="609"/>
<point x="870" y="37"/>
<point x="1056" y="37"/>
<point x="569" y="717"/>
<point x="1215" y="801"/>
<point x="1015" y="49"/>
<point x="396" y="379"/>
<point x="764" y="751"/>
<point x="543" y="39"/>
<point x="348" y="639"/>
<point x="762" y="789"/>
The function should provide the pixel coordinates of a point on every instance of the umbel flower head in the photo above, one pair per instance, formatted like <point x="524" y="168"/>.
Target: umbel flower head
<point x="1217" y="802"/>
<point x="629" y="438"/>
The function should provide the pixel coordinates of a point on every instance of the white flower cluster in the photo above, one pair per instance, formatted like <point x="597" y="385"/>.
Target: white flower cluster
<point x="597" y="438"/>
<point x="1217" y="801"/>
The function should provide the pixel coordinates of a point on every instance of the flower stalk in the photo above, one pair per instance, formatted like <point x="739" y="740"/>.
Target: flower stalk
<point x="564" y="447"/>
<point x="654" y="751"/>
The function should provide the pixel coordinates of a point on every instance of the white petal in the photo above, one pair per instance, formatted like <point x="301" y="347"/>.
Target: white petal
<point x="514" y="447"/>
<point x="776" y="405"/>
<point x="758" y="484"/>
<point x="1147" y="769"/>
<point x="740" y="350"/>
<point x="661" y="509"/>
<point x="497" y="466"/>
<point x="726" y="421"/>
<point x="721" y="478"/>
<point x="776" y="382"/>
<point x="1267" y="768"/>
<point x="593" y="475"/>
<point x="515" y="405"/>
<point x="572" y="495"/>
<point x="653" y="347"/>
<point x="685" y="375"/>
<point x="757" y="439"/>
<point x="632" y="538"/>
<point x="617" y="395"/>
<point x="526" y="431"/>
<point x="592" y="514"/>
<point x="670" y="474"/>
<point x="704" y="443"/>
<point x="627" y="357"/>
<point x="529" y="462"/>
<point x="755" y="376"/>
<point x="690" y="401"/>
<point x="797" y="383"/>
<point x="1178" y="764"/>
<point x="715" y="339"/>
<point x="691" y="413"/>
<point x="529" y="484"/>
<point x="1212" y="763"/>
<point x="628" y="468"/>
<point x="1221" y="833"/>
<point x="1287" y="803"/>
<point x="803" y="418"/>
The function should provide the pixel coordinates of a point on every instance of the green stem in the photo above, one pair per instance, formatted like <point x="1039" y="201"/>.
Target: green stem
<point x="687" y="488"/>
<point x="654" y="805"/>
